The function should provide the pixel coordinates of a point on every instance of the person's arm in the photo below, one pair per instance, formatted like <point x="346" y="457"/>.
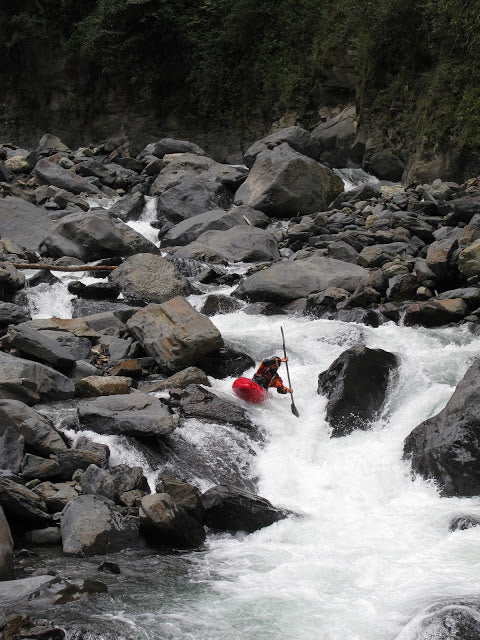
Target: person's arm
<point x="277" y="382"/>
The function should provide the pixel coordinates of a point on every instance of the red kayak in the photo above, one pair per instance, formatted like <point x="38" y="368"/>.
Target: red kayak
<point x="249" y="390"/>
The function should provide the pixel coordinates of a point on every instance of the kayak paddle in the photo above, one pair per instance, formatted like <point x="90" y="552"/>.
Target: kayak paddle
<point x="292" y="406"/>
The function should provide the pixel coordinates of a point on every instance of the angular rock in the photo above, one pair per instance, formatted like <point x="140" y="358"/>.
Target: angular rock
<point x="439" y="258"/>
<point x="55" y="495"/>
<point x="150" y="278"/>
<point x="50" y="173"/>
<point x="174" y="333"/>
<point x="239" y="244"/>
<point x="92" y="236"/>
<point x="163" y="522"/>
<point x="38" y="433"/>
<point x="94" y="386"/>
<point x="10" y="280"/>
<point x="283" y="183"/>
<point x="6" y="549"/>
<point x="129" y="207"/>
<point x="37" y="344"/>
<point x="72" y="459"/>
<point x="137" y="414"/>
<point x="287" y="281"/>
<point x="13" y="314"/>
<point x="171" y="145"/>
<point x="91" y="525"/>
<point x="31" y="382"/>
<point x="197" y="402"/>
<point x="35" y="467"/>
<point x="23" y="222"/>
<point x="469" y="260"/>
<point x="226" y="362"/>
<point x="44" y="537"/>
<point x="12" y="449"/>
<point x="448" y="620"/>
<point x="219" y="304"/>
<point x="229" y="509"/>
<point x="184" y="494"/>
<point x="446" y="447"/>
<point x="356" y="384"/>
<point x="435" y="313"/>
<point x="386" y="166"/>
<point x="179" y="380"/>
<point x="21" y="505"/>
<point x="297" y="138"/>
<point x="96" y="291"/>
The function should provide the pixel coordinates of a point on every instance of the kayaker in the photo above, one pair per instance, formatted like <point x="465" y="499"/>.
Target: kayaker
<point x="267" y="376"/>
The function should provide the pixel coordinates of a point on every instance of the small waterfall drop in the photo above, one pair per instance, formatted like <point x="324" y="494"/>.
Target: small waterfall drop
<point x="353" y="178"/>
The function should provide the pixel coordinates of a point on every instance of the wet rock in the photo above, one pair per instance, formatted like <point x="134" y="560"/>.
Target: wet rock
<point x="460" y="523"/>
<point x="102" y="450"/>
<point x="225" y="362"/>
<point x="297" y="138"/>
<point x="179" y="380"/>
<point x="72" y="459"/>
<point x="94" y="386"/>
<point x="114" y="482"/>
<point x="50" y="173"/>
<point x="439" y="259"/>
<point x="238" y="244"/>
<point x="217" y="220"/>
<point x="129" y="207"/>
<point x="164" y="522"/>
<point x="197" y="402"/>
<point x="25" y="593"/>
<point x="96" y="291"/>
<point x="446" y="447"/>
<point x="447" y="620"/>
<point x="64" y="198"/>
<point x="356" y="384"/>
<point x="287" y="281"/>
<point x="174" y="334"/>
<point x="318" y="303"/>
<point x="37" y="344"/>
<point x="283" y="182"/>
<point x="136" y="414"/>
<point x="150" y="278"/>
<point x="13" y="314"/>
<point x="92" y="525"/>
<point x="219" y="304"/>
<point x="109" y="567"/>
<point x="435" y="313"/>
<point x="92" y="236"/>
<point x="11" y="280"/>
<point x="31" y="382"/>
<point x="469" y="260"/>
<point x="184" y="494"/>
<point x="229" y="509"/>
<point x="37" y="431"/>
<point x="21" y="505"/>
<point x="6" y="549"/>
<point x="23" y="222"/>
<point x="385" y="166"/>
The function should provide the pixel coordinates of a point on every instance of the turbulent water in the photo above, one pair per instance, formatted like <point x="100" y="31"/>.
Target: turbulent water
<point x="370" y="546"/>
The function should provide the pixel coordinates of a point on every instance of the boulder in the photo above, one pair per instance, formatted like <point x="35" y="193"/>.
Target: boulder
<point x="283" y="183"/>
<point x="171" y="145"/>
<point x="22" y="506"/>
<point x="356" y="384"/>
<point x="226" y="362"/>
<point x="38" y="345"/>
<point x="38" y="433"/>
<point x="31" y="382"/>
<point x="238" y="244"/>
<point x="190" y="229"/>
<point x="447" y="620"/>
<point x="94" y="386"/>
<point x="164" y="522"/>
<point x="12" y="314"/>
<point x="95" y="291"/>
<point x="229" y="509"/>
<point x="49" y="142"/>
<point x="10" y="280"/>
<point x="92" y="236"/>
<point x="174" y="333"/>
<point x="72" y="459"/>
<point x="385" y="165"/>
<point x="6" y="549"/>
<point x="129" y="207"/>
<point x="297" y="138"/>
<point x="215" y="303"/>
<point x="184" y="494"/>
<point x="284" y="282"/>
<point x="149" y="278"/>
<point x="92" y="525"/>
<point x="337" y="136"/>
<point x="179" y="380"/>
<point x="469" y="260"/>
<point x="446" y="447"/>
<point x="43" y="537"/>
<point x="12" y="449"/>
<point x="136" y="414"/>
<point x="200" y="403"/>
<point x="439" y="258"/>
<point x="435" y="313"/>
<point x="50" y="173"/>
<point x="114" y="482"/>
<point x="23" y="222"/>
<point x="77" y="348"/>
<point x="37" y="468"/>
<point x="56" y="495"/>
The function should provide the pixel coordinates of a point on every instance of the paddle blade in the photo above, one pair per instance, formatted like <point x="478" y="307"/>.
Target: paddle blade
<point x="294" y="410"/>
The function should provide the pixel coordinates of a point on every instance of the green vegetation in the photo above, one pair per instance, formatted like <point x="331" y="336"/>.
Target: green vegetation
<point x="228" y="61"/>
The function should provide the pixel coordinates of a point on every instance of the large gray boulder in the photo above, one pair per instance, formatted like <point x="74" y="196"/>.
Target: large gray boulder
<point x="37" y="432"/>
<point x="284" y="184"/>
<point x="129" y="207"/>
<point x="164" y="522"/>
<point x="29" y="342"/>
<point x="337" y="139"/>
<point x="229" y="509"/>
<point x="174" y="333"/>
<point x="93" y="235"/>
<point x="356" y="384"/>
<point x="446" y="447"/>
<point x="284" y="282"/>
<point x="50" y="173"/>
<point x="31" y="382"/>
<point x="190" y="184"/>
<point x="6" y="548"/>
<point x="136" y="414"/>
<point x="92" y="525"/>
<point x="239" y="244"/>
<point x="217" y="220"/>
<point x="23" y="222"/>
<point x="297" y="138"/>
<point x="150" y="278"/>
<point x="12" y="450"/>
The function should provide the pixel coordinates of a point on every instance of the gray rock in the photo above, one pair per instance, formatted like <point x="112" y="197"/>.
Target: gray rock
<point x="35" y="467"/>
<point x="297" y="138"/>
<point x="49" y="142"/>
<point x="225" y="363"/>
<point x="72" y="459"/>
<point x="91" y="525"/>
<point x="37" y="431"/>
<point x="238" y="244"/>
<point x="356" y="384"/>
<point x="179" y="380"/>
<point x="386" y="166"/>
<point x="164" y="522"/>
<point x="129" y="207"/>
<point x="136" y="414"/>
<point x="284" y="183"/>
<point x="174" y="333"/>
<point x="44" y="537"/>
<point x="219" y="304"/>
<point x="21" y="505"/>
<point x="13" y="314"/>
<point x="23" y="222"/>
<point x="31" y="382"/>
<point x="337" y="138"/>
<point x="184" y="494"/>
<point x="171" y="145"/>
<point x="448" y="620"/>
<point x="287" y="281"/>
<point x="200" y="403"/>
<point x="56" y="495"/>
<point x="92" y="236"/>
<point x="78" y="348"/>
<point x="37" y="344"/>
<point x="150" y="278"/>
<point x="12" y="449"/>
<point x="190" y="229"/>
<point x="51" y="173"/>
<point x="10" y="280"/>
<point x="26" y="592"/>
<point x="435" y="313"/>
<point x="6" y="549"/>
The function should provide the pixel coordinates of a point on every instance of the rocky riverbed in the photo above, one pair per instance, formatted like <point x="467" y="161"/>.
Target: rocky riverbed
<point x="276" y="236"/>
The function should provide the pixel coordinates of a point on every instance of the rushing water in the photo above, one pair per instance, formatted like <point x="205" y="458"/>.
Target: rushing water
<point x="370" y="547"/>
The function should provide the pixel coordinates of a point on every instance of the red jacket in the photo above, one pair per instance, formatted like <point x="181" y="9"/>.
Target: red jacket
<point x="267" y="375"/>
